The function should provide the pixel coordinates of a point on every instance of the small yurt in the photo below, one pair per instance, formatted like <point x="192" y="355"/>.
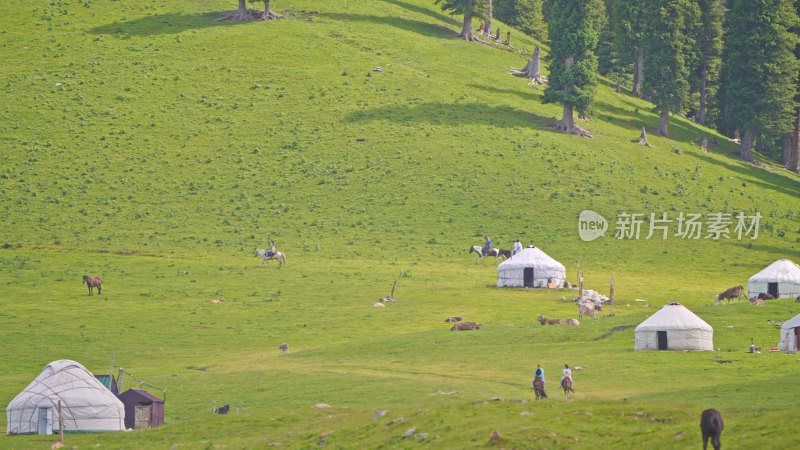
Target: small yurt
<point x="674" y="327"/>
<point x="86" y="405"/>
<point x="790" y="335"/>
<point x="531" y="267"/>
<point x="781" y="279"/>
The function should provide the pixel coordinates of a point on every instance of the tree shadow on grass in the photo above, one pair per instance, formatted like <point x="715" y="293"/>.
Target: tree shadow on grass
<point x="163" y="24"/>
<point x="417" y="9"/>
<point x="768" y="251"/>
<point x="526" y="94"/>
<point x="756" y="175"/>
<point x="450" y="114"/>
<point x="416" y="26"/>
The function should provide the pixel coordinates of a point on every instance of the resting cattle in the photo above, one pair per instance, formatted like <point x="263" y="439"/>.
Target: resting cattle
<point x="453" y="319"/>
<point x="545" y="321"/>
<point x="589" y="309"/>
<point x="572" y="322"/>
<point x="756" y="302"/>
<point x="711" y="425"/>
<point x="766" y="296"/>
<point x="462" y="326"/>
<point x="730" y="294"/>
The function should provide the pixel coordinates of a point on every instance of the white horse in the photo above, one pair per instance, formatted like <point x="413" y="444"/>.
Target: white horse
<point x="479" y="250"/>
<point x="270" y="253"/>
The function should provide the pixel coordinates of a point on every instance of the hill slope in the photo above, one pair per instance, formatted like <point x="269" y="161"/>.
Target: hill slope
<point x="156" y="147"/>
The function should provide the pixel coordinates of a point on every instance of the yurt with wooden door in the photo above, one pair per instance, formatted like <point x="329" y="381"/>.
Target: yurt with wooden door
<point x="531" y="267"/>
<point x="674" y="327"/>
<point x="781" y="279"/>
<point x="86" y="405"/>
<point x="790" y="335"/>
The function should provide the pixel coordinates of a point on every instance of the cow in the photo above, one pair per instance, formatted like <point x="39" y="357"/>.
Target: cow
<point x="589" y="309"/>
<point x="766" y="296"/>
<point x="572" y="322"/>
<point x="730" y="294"/>
<point x="756" y="302"/>
<point x="711" y="425"/>
<point x="284" y="348"/>
<point x="453" y="319"/>
<point x="545" y="321"/>
<point x="462" y="326"/>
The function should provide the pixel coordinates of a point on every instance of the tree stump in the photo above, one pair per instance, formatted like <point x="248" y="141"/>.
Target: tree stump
<point x="713" y="140"/>
<point x="704" y="145"/>
<point x="531" y="70"/>
<point x="642" y="139"/>
<point x="497" y="38"/>
<point x="508" y="39"/>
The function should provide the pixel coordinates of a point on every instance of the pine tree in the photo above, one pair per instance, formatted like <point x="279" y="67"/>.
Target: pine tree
<point x="573" y="29"/>
<point x="630" y="25"/>
<point x="470" y="9"/>
<point x="669" y="51"/>
<point x="525" y="15"/>
<point x="759" y="73"/>
<point x="709" y="51"/>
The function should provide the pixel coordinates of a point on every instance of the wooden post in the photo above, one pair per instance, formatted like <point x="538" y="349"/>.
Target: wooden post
<point x="611" y="292"/>
<point x="60" y="422"/>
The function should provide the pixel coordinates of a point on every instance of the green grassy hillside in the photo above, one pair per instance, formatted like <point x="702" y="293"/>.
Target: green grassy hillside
<point x="153" y="146"/>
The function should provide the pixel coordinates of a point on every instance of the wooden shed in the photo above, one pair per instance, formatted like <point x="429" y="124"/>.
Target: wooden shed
<point x="142" y="409"/>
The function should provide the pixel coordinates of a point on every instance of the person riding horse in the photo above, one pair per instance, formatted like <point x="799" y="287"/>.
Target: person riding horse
<point x="271" y="249"/>
<point x="538" y="382"/>
<point x="487" y="247"/>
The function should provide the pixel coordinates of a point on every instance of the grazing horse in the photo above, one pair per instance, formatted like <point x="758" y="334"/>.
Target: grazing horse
<point x="92" y="282"/>
<point x="479" y="250"/>
<point x="566" y="385"/>
<point x="711" y="425"/>
<point x="266" y="255"/>
<point x="538" y="387"/>
<point x="506" y="254"/>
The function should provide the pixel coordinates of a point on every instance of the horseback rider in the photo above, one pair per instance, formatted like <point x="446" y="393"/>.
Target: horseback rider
<point x="567" y="374"/>
<point x="539" y="374"/>
<point x="487" y="247"/>
<point x="271" y="249"/>
<point x="516" y="248"/>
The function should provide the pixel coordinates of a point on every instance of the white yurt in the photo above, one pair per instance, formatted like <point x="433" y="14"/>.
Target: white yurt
<point x="530" y="267"/>
<point x="781" y="279"/>
<point x="86" y="405"/>
<point x="790" y="335"/>
<point x="674" y="327"/>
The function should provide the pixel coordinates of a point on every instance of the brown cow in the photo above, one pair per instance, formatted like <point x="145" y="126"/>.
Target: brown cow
<point x="756" y="302"/>
<point x="545" y="321"/>
<point x="462" y="326"/>
<point x="766" y="296"/>
<point x="453" y="319"/>
<point x="730" y="294"/>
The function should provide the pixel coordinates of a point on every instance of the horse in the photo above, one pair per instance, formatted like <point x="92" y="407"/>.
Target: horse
<point x="506" y="254"/>
<point x="566" y="385"/>
<point x="479" y="250"/>
<point x="538" y="387"/>
<point x="92" y="282"/>
<point x="266" y="255"/>
<point x="711" y="425"/>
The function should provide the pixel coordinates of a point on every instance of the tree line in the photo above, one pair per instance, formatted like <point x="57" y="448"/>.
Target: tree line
<point x="730" y="64"/>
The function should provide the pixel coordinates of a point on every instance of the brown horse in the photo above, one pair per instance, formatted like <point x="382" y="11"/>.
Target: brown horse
<point x="538" y="387"/>
<point x="92" y="282"/>
<point x="566" y="385"/>
<point x="711" y="425"/>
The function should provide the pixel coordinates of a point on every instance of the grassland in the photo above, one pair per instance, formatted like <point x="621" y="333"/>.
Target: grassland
<point x="157" y="148"/>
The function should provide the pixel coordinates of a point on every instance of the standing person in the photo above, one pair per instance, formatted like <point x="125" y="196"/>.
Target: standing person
<point x="487" y="247"/>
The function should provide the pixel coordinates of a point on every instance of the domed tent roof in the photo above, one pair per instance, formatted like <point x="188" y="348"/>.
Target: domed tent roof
<point x="86" y="404"/>
<point x="784" y="275"/>
<point x="789" y="336"/>
<point x="541" y="267"/>
<point x="679" y="328"/>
